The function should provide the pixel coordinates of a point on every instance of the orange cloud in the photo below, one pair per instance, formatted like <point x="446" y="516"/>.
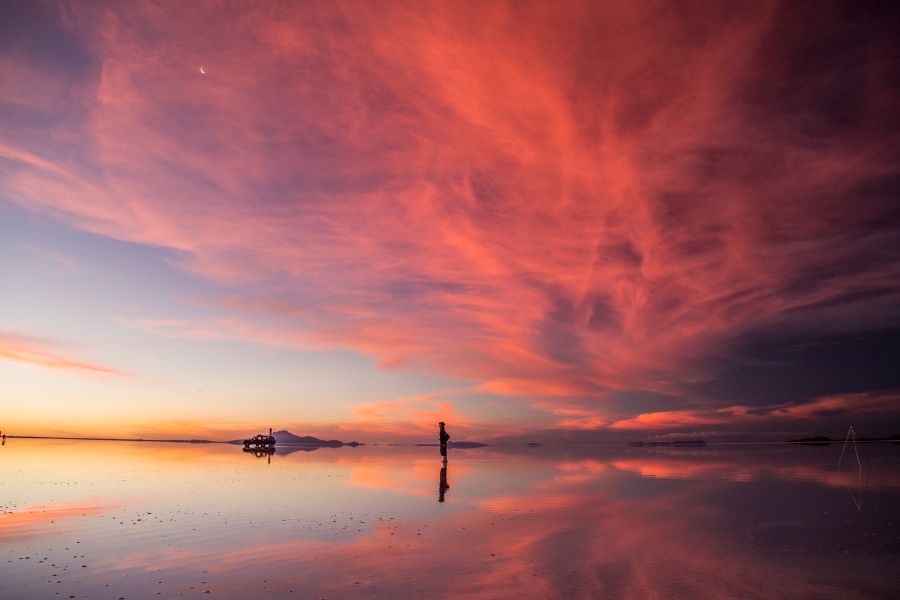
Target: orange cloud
<point x="672" y="419"/>
<point x="865" y="403"/>
<point x="413" y="416"/>
<point x="45" y="353"/>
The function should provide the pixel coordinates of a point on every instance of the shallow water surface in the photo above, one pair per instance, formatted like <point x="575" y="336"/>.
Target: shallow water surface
<point x="90" y="519"/>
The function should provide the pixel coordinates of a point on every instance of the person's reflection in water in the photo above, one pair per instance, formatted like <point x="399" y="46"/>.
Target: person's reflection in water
<point x="443" y="486"/>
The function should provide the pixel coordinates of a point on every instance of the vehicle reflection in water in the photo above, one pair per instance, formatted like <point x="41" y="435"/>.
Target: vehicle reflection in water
<point x="282" y="450"/>
<point x="260" y="452"/>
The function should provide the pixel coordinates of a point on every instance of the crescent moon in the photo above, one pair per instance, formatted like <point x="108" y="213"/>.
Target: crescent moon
<point x="202" y="71"/>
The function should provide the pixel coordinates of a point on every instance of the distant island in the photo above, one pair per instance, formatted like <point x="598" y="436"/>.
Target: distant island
<point x="819" y="440"/>
<point x="670" y="443"/>
<point x="822" y="440"/>
<point x="286" y="438"/>
<point x="106" y="439"/>
<point x="459" y="445"/>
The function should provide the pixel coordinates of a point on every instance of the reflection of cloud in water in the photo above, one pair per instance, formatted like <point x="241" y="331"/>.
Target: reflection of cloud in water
<point x="619" y="523"/>
<point x="746" y="466"/>
<point x="563" y="539"/>
<point x="34" y="519"/>
<point x="416" y="477"/>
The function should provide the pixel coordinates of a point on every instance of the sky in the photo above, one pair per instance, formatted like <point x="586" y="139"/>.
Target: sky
<point x="559" y="221"/>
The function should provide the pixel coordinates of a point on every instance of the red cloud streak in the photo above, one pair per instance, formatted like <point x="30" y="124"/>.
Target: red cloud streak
<point x="552" y="200"/>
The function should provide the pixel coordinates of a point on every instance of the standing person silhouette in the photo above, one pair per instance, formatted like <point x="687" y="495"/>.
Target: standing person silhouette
<point x="444" y="438"/>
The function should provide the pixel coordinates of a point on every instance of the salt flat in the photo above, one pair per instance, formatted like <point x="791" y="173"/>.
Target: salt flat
<point x="90" y="519"/>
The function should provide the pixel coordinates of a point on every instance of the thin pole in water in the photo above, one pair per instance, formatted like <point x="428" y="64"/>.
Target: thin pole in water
<point x="851" y="433"/>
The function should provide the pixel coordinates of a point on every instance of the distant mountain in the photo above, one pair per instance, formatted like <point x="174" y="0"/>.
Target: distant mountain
<point x="289" y="439"/>
<point x="670" y="443"/>
<point x="286" y="438"/>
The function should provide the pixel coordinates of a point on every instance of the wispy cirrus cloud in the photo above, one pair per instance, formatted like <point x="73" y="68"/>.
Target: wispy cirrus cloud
<point x="551" y="202"/>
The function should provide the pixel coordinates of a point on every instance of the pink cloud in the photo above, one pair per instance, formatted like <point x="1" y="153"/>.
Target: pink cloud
<point x="549" y="202"/>
<point x="886" y="401"/>
<point x="66" y="262"/>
